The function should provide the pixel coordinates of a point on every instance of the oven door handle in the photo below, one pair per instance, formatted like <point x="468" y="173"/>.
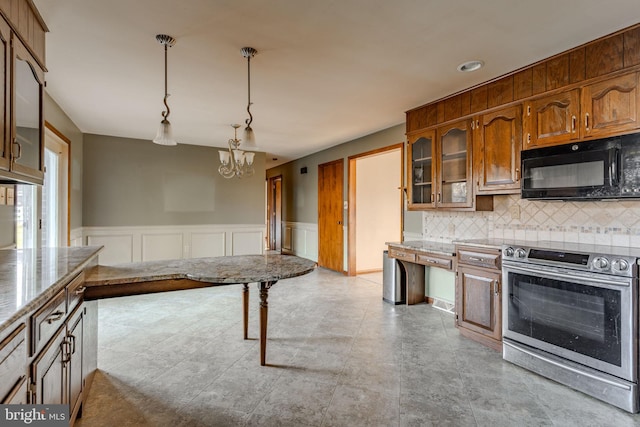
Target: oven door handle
<point x="568" y="368"/>
<point x="576" y="277"/>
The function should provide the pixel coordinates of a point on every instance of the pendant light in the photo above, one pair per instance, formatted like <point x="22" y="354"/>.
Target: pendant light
<point x="248" y="136"/>
<point x="165" y="135"/>
<point x="234" y="162"/>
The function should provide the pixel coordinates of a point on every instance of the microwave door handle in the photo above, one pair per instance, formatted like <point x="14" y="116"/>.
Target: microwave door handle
<point x="614" y="170"/>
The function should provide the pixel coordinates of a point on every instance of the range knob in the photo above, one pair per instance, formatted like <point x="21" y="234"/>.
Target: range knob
<point x="521" y="253"/>
<point x="508" y="252"/>
<point x="620" y="265"/>
<point x="601" y="263"/>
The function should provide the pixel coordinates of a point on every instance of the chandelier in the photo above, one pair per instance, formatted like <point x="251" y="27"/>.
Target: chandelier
<point x="235" y="162"/>
<point x="165" y="136"/>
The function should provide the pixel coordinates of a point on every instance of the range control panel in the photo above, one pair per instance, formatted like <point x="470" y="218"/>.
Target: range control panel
<point x="596" y="262"/>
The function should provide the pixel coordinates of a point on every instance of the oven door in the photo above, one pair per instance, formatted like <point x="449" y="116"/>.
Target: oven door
<point x="587" y="318"/>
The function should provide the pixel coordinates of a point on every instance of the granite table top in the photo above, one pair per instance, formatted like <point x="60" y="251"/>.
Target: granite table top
<point x="30" y="277"/>
<point x="216" y="270"/>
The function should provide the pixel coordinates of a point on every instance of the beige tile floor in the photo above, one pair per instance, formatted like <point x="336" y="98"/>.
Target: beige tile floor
<point x="337" y="356"/>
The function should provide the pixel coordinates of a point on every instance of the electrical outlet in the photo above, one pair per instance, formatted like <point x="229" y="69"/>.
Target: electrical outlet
<point x="515" y="212"/>
<point x="10" y="196"/>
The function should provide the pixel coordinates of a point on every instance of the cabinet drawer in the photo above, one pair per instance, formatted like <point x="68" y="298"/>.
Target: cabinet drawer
<point x="75" y="292"/>
<point x="402" y="255"/>
<point x="13" y="357"/>
<point x="479" y="259"/>
<point x="46" y="321"/>
<point x="435" y="261"/>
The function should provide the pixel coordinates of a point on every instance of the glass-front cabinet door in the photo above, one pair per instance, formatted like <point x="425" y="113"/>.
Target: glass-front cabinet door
<point x="454" y="173"/>
<point x="5" y="93"/>
<point x="421" y="170"/>
<point x="27" y="141"/>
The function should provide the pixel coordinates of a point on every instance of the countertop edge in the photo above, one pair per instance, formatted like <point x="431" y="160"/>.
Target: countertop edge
<point x="47" y="294"/>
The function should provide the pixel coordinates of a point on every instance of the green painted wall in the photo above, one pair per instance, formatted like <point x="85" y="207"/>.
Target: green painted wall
<point x="133" y="182"/>
<point x="300" y="192"/>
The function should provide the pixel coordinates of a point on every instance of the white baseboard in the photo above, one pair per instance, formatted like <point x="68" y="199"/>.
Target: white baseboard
<point x="300" y="239"/>
<point x="153" y="243"/>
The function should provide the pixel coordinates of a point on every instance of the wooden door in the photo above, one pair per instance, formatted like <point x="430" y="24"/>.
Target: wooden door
<point x="330" y="215"/>
<point x="552" y="120"/>
<point x="454" y="186"/>
<point x="497" y="143"/>
<point x="478" y="301"/>
<point x="274" y="208"/>
<point x="611" y="107"/>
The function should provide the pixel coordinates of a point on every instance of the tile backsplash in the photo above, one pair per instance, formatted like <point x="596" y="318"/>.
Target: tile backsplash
<point x="608" y="223"/>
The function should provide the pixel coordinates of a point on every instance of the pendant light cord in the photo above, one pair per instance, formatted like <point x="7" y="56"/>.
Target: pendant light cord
<point x="250" y="119"/>
<point x="165" y="114"/>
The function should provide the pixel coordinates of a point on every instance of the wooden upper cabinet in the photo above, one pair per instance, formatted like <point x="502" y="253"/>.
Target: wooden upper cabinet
<point x="421" y="170"/>
<point x="497" y="141"/>
<point x="611" y="107"/>
<point x="454" y="187"/>
<point x="5" y="94"/>
<point x="552" y="119"/>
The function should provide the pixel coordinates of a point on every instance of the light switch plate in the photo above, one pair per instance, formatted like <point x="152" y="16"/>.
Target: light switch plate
<point x="3" y="195"/>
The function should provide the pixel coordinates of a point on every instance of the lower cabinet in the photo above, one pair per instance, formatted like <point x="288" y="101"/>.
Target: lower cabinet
<point x="478" y="297"/>
<point x="13" y="372"/>
<point x="57" y="375"/>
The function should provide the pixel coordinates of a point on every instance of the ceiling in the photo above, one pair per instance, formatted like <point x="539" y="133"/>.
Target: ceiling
<point x="326" y="72"/>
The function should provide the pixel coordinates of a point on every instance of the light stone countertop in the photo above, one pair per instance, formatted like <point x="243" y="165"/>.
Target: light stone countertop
<point x="625" y="251"/>
<point x="426" y="246"/>
<point x="220" y="270"/>
<point x="30" y="277"/>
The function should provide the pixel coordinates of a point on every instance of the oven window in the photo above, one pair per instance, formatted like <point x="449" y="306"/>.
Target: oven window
<point x="580" y="318"/>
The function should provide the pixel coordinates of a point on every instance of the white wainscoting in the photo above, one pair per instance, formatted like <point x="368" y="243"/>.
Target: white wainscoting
<point x="300" y="239"/>
<point x="135" y="244"/>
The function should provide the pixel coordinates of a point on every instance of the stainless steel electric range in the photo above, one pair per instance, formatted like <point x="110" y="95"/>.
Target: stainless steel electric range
<point x="570" y="313"/>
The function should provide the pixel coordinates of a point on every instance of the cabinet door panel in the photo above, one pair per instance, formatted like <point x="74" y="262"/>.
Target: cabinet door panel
<point x="611" y="107"/>
<point x="5" y="94"/>
<point x="48" y="372"/>
<point x="552" y="120"/>
<point x="28" y="137"/>
<point x="497" y="144"/>
<point x="75" y="335"/>
<point x="421" y="170"/>
<point x="479" y="301"/>
<point x="454" y="171"/>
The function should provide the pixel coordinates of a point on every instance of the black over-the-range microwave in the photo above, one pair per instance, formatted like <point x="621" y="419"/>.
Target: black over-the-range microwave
<point x="594" y="170"/>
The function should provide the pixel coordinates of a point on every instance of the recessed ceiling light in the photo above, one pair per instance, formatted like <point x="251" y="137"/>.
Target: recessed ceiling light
<point x="469" y="66"/>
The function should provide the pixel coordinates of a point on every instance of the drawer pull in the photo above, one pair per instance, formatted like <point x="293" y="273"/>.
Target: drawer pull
<point x="80" y="290"/>
<point x="473" y="258"/>
<point x="56" y="315"/>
